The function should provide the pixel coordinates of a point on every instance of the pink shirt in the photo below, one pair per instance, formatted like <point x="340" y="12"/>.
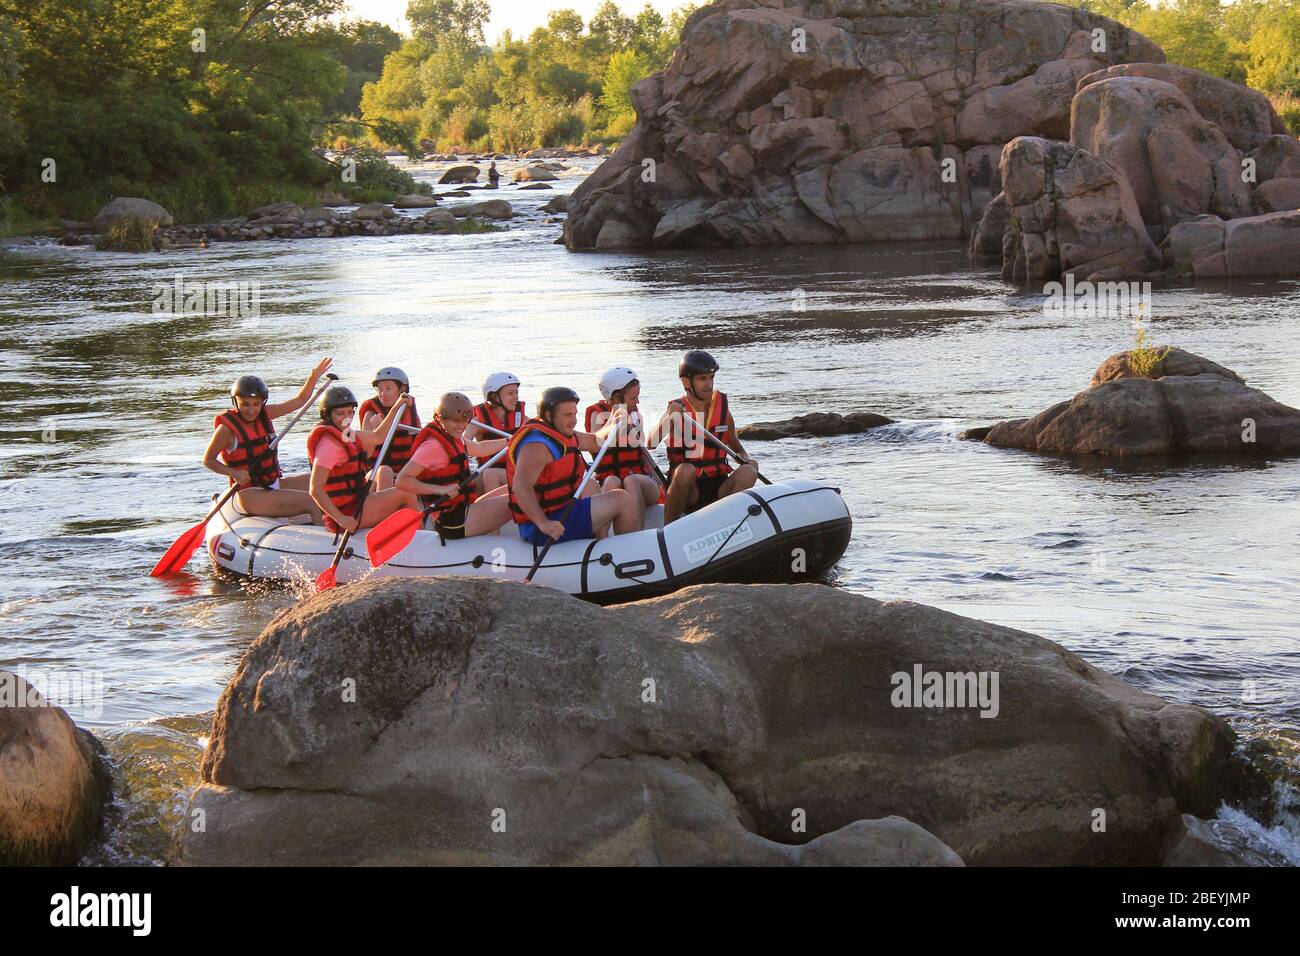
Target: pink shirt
<point x="431" y="455"/>
<point x="330" y="454"/>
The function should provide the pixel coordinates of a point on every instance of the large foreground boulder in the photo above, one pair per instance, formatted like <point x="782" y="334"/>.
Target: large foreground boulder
<point x="52" y="782"/>
<point x="129" y="207"/>
<point x="1186" y="404"/>
<point x="460" y="174"/>
<point x="782" y="122"/>
<point x="461" y="721"/>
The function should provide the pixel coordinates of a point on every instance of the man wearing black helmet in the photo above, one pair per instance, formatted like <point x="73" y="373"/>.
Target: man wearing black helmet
<point x="698" y="471"/>
<point x="240" y="449"/>
<point x="544" y="467"/>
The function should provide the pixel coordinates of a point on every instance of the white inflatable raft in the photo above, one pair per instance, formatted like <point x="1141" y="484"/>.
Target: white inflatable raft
<point x="786" y="531"/>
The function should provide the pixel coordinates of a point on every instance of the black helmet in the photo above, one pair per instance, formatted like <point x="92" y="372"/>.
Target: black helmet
<point x="555" y="395"/>
<point x="696" y="362"/>
<point x="391" y="373"/>
<point x="336" y="396"/>
<point x="249" y="386"/>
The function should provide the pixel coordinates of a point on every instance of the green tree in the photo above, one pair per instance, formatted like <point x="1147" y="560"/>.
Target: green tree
<point x="434" y="20"/>
<point x="625" y="70"/>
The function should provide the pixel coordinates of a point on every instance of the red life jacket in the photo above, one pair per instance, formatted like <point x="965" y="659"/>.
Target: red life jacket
<point x="453" y="473"/>
<point x="709" y="461"/>
<point x="558" y="481"/>
<point x="346" y="481"/>
<point x="253" y="449"/>
<point x="403" y="443"/>
<point x="508" y="422"/>
<point x="619" y="460"/>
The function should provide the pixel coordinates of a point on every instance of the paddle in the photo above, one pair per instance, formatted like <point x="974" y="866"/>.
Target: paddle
<point x="474" y="424"/>
<point x="613" y="432"/>
<point x="388" y="538"/>
<point x="724" y="446"/>
<point x="326" y="579"/>
<point x="183" y="548"/>
<point x="650" y="460"/>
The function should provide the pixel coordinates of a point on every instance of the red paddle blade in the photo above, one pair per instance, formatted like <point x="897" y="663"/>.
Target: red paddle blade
<point x="326" y="580"/>
<point x="179" y="554"/>
<point x="387" y="539"/>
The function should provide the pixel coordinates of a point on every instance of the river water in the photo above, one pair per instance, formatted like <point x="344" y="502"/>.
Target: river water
<point x="1180" y="577"/>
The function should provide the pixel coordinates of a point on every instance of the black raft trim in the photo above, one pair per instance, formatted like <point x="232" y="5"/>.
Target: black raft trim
<point x="771" y="515"/>
<point x="669" y="573"/>
<point x="586" y="556"/>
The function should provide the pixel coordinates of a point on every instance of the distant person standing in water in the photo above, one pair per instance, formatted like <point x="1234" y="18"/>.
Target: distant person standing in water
<point x="493" y="176"/>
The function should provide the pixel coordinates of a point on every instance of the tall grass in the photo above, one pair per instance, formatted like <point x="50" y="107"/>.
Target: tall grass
<point x="1143" y="357"/>
<point x="128" y="235"/>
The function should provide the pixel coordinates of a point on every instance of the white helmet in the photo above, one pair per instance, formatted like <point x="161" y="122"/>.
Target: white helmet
<point x="497" y="381"/>
<point x="615" y="380"/>
<point x="391" y="373"/>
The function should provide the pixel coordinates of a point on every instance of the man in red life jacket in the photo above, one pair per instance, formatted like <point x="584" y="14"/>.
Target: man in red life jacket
<point x="240" y="449"/>
<point x="340" y="457"/>
<point x="624" y="464"/>
<point x="699" y="473"/>
<point x="390" y="384"/>
<point x="544" y="467"/>
<point x="440" y="464"/>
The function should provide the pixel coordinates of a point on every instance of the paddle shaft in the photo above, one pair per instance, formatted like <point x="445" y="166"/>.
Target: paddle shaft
<point x="468" y="481"/>
<point x="361" y="499"/>
<point x="275" y="442"/>
<point x="572" y="501"/>
<point x="724" y="446"/>
<point x="475" y="422"/>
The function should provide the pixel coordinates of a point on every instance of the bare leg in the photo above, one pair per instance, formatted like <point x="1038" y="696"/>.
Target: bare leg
<point x="487" y="515"/>
<point x="380" y="504"/>
<point x="298" y="482"/>
<point x="618" y="508"/>
<point x="492" y="479"/>
<point x="740" y="479"/>
<point x="647" y="487"/>
<point x="682" y="493"/>
<point x="270" y="503"/>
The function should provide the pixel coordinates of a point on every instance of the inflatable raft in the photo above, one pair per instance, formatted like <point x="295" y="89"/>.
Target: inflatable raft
<point x="786" y="531"/>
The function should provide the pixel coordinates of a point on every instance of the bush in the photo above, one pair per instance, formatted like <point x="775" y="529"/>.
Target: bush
<point x="128" y="235"/>
<point x="1288" y="108"/>
<point x="1144" y="358"/>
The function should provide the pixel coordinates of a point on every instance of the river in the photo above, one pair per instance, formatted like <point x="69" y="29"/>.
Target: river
<point x="1180" y="577"/>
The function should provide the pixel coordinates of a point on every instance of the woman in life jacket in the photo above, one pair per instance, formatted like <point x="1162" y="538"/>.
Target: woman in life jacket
<point x="439" y="465"/>
<point x="544" y="467"/>
<point x="390" y="384"/>
<point x="624" y="464"/>
<point x="698" y="471"/>
<point x="501" y="407"/>
<point x="340" y="456"/>
<point x="240" y="449"/>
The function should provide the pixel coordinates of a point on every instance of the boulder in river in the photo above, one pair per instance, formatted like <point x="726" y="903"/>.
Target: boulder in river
<point x="373" y="211"/>
<point x="534" y="174"/>
<point x="460" y="174"/>
<point x="1195" y="842"/>
<point x="126" y="207"/>
<point x="52" y="780"/>
<point x="1209" y="248"/>
<point x="1187" y="404"/>
<point x="536" y="186"/>
<point x="464" y="721"/>
<point x="845" y="121"/>
<point x="488" y="209"/>
<point x="414" y="201"/>
<point x="556" y="204"/>
<point x="814" y="424"/>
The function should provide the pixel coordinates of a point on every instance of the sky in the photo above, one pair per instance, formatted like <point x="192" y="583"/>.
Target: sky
<point x="519" y="16"/>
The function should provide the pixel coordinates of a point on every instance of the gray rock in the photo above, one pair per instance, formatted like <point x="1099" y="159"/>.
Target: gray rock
<point x="1195" y="842"/>
<point x="460" y="174"/>
<point x="124" y="207"/>
<point x="52" y="781"/>
<point x="396" y="720"/>
<point x="415" y="201"/>
<point x="373" y="211"/>
<point x="814" y="424"/>
<point x="488" y="209"/>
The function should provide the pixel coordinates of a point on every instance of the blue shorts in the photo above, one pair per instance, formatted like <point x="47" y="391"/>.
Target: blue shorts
<point x="576" y="525"/>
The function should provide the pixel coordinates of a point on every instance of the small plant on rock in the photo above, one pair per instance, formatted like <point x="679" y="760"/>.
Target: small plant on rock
<point x="1143" y="357"/>
<point x="128" y="235"/>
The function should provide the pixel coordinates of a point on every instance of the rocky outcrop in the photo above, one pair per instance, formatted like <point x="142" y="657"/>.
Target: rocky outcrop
<point x="1179" y="164"/>
<point x="1187" y="404"/>
<point x="460" y="174"/>
<point x="814" y="425"/>
<point x="1244" y="116"/>
<point x="464" y="721"/>
<point x="1067" y="211"/>
<point x="373" y="210"/>
<point x="1277" y="195"/>
<point x="414" y="201"/>
<point x="556" y="204"/>
<point x="126" y="207"/>
<point x="52" y="781"/>
<point x="778" y="122"/>
<point x="1209" y="248"/>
